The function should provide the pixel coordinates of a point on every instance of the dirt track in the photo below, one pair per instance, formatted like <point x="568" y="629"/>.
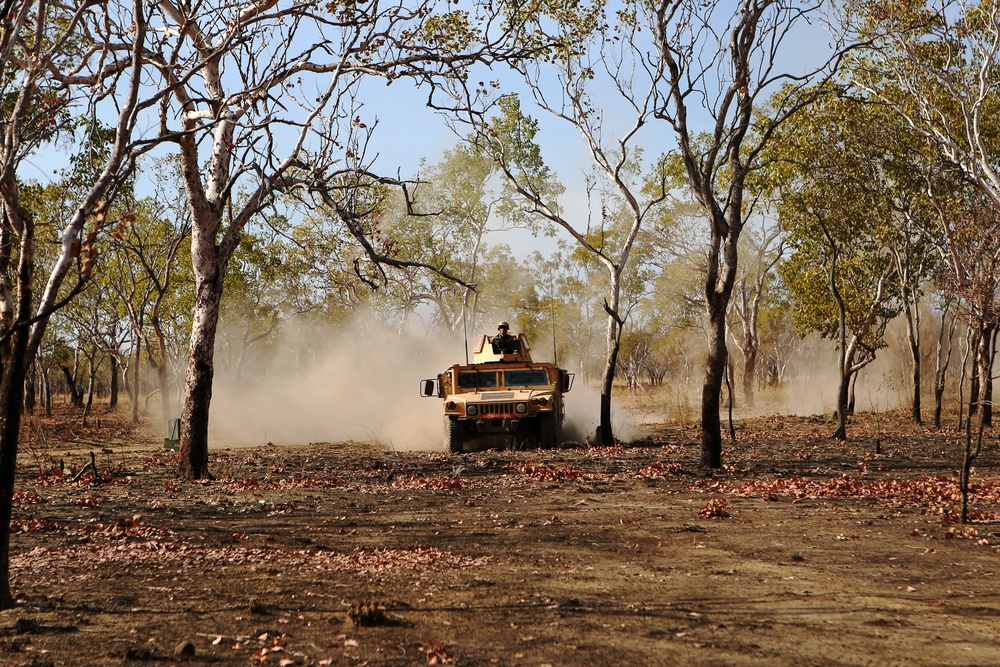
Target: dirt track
<point x="802" y="552"/>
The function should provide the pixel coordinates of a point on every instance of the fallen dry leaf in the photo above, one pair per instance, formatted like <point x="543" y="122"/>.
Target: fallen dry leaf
<point x="435" y="652"/>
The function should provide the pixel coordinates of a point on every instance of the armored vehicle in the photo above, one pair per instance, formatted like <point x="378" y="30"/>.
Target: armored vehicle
<point x="501" y="397"/>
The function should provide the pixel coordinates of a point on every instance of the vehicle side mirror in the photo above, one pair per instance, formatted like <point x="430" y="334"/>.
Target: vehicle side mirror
<point x="566" y="381"/>
<point x="428" y="388"/>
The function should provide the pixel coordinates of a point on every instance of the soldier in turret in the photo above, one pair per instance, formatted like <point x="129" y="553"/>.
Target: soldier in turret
<point x="503" y="341"/>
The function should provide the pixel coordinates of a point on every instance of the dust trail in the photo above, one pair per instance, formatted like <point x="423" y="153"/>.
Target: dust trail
<point x="583" y="415"/>
<point x="363" y="387"/>
<point x="810" y="388"/>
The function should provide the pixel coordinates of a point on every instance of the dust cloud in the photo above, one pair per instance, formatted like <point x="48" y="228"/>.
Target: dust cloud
<point x="583" y="416"/>
<point x="810" y="387"/>
<point x="363" y="387"/>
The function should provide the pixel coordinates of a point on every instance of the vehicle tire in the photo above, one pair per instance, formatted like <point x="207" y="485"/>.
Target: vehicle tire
<point x="454" y="434"/>
<point x="548" y="430"/>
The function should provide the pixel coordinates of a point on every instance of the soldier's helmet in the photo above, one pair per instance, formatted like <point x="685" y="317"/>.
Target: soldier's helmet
<point x="503" y="325"/>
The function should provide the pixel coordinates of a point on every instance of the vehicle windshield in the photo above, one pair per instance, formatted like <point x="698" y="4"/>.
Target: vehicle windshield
<point x="476" y="379"/>
<point x="532" y="377"/>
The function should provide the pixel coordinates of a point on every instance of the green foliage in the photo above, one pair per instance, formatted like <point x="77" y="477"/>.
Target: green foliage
<point x="450" y="32"/>
<point x="838" y="189"/>
<point x="49" y="115"/>
<point x="556" y="29"/>
<point x="46" y="111"/>
<point x="256" y="296"/>
<point x="566" y="300"/>
<point x="936" y="67"/>
<point x="94" y="141"/>
<point x="510" y="140"/>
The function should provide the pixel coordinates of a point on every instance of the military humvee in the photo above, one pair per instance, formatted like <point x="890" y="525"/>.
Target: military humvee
<point x="502" y="396"/>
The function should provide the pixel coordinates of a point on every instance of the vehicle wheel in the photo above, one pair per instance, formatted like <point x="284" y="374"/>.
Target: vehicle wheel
<point x="454" y="434"/>
<point x="548" y="430"/>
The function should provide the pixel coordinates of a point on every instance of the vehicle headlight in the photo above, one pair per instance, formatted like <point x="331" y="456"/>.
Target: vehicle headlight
<point x="521" y="408"/>
<point x="472" y="410"/>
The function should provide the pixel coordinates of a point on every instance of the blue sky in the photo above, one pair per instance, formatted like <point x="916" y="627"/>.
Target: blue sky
<point x="409" y="132"/>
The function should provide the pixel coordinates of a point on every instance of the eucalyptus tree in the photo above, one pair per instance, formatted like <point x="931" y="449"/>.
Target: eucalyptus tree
<point x="96" y="334"/>
<point x="569" y="297"/>
<point x="674" y="250"/>
<point x="841" y="288"/>
<point x="449" y="222"/>
<point x="756" y="279"/>
<point x="881" y="159"/>
<point x="780" y="344"/>
<point x="58" y="61"/>
<point x="711" y="63"/>
<point x="939" y="60"/>
<point x="260" y="297"/>
<point x="150" y="276"/>
<point x="327" y="290"/>
<point x="443" y="220"/>
<point x="943" y="349"/>
<point x="915" y="264"/>
<point x="968" y="225"/>
<point x="458" y="215"/>
<point x="48" y="358"/>
<point x="899" y="157"/>
<point x="942" y="61"/>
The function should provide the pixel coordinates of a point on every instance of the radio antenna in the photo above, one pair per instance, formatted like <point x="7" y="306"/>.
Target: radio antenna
<point x="552" y="309"/>
<point x="465" y="331"/>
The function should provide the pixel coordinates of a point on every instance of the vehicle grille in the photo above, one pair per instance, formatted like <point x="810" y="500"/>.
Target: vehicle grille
<point x="495" y="410"/>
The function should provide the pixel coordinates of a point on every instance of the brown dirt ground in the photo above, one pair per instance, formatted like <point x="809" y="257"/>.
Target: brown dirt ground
<point x="802" y="551"/>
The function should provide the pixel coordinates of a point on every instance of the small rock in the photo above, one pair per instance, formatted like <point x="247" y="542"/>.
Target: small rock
<point x="26" y="626"/>
<point x="184" y="650"/>
<point x="258" y="608"/>
<point x="39" y="662"/>
<point x="139" y="653"/>
<point x="367" y="613"/>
